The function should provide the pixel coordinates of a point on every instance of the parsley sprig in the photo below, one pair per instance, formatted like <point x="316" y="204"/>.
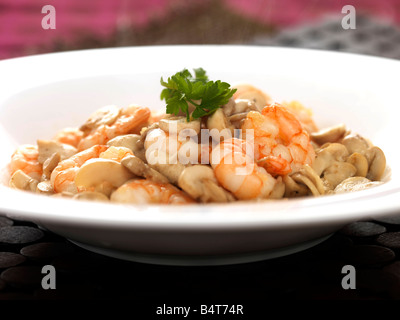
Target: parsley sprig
<point x="206" y="96"/>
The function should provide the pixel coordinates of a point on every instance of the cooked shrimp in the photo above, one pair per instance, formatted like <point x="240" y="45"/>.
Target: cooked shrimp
<point x="156" y="116"/>
<point x="146" y="191"/>
<point x="303" y="114"/>
<point x="63" y="176"/>
<point x="130" y="120"/>
<point x="25" y="158"/>
<point x="281" y="144"/>
<point x="71" y="136"/>
<point x="236" y="171"/>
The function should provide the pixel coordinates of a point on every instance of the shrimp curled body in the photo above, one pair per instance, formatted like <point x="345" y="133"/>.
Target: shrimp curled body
<point x="25" y="158"/>
<point x="281" y="144"/>
<point x="130" y="120"/>
<point x="236" y="171"/>
<point x="63" y="176"/>
<point x="71" y="136"/>
<point x="145" y="191"/>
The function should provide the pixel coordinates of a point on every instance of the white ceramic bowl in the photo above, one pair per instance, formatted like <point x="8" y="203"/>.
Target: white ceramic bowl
<point x="41" y="94"/>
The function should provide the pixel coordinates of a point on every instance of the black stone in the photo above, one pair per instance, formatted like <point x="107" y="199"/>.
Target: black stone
<point x="363" y="229"/>
<point x="390" y="240"/>
<point x="392" y="220"/>
<point x="368" y="255"/>
<point x="23" y="276"/>
<point x="10" y="259"/>
<point x="46" y="250"/>
<point x="5" y="222"/>
<point x="20" y="234"/>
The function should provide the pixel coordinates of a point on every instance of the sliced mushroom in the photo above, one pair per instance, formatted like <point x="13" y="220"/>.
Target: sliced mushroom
<point x="377" y="163"/>
<point x="327" y="155"/>
<point x="20" y="180"/>
<point x="355" y="184"/>
<point x="237" y="118"/>
<point x="200" y="183"/>
<point x="307" y="176"/>
<point x="307" y="182"/>
<point x="156" y="145"/>
<point x="47" y="148"/>
<point x="279" y="189"/>
<point x="248" y="92"/>
<point x="294" y="189"/>
<point x="90" y="195"/>
<point x="244" y="105"/>
<point x="102" y="175"/>
<point x="49" y="165"/>
<point x="355" y="143"/>
<point x="45" y="187"/>
<point x="237" y="111"/>
<point x="133" y="142"/>
<point x="337" y="172"/>
<point x="103" y="116"/>
<point x="360" y="163"/>
<point x="219" y="122"/>
<point x="130" y="141"/>
<point x="331" y="134"/>
<point x="176" y="124"/>
<point x="141" y="169"/>
<point x="171" y="171"/>
<point x="229" y="107"/>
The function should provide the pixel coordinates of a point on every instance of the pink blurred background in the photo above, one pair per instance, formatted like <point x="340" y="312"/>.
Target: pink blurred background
<point x="106" y="23"/>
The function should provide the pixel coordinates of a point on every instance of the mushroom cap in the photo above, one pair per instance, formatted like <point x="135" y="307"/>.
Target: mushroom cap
<point x="200" y="183"/>
<point x="103" y="116"/>
<point x="141" y="169"/>
<point x="355" y="184"/>
<point x="377" y="163"/>
<point x="331" y="134"/>
<point x="45" y="187"/>
<point x="327" y="155"/>
<point x="355" y="143"/>
<point x="176" y="124"/>
<point x="249" y="92"/>
<point x="47" y="148"/>
<point x="130" y="141"/>
<point x="337" y="172"/>
<point x="20" y="180"/>
<point x="220" y="122"/>
<point x="360" y="163"/>
<point x="95" y="173"/>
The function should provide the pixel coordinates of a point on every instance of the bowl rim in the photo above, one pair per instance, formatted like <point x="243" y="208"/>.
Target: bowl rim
<point x="342" y="208"/>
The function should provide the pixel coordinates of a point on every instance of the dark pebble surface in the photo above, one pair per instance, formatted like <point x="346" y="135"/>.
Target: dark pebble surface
<point x="363" y="229"/>
<point x="46" y="250"/>
<point x="5" y="222"/>
<point x="315" y="273"/>
<point x="371" y="247"/>
<point x="10" y="259"/>
<point x="19" y="234"/>
<point x="390" y="240"/>
<point x="22" y="276"/>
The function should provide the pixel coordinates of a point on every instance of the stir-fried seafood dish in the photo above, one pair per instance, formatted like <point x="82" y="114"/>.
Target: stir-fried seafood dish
<point x="213" y="143"/>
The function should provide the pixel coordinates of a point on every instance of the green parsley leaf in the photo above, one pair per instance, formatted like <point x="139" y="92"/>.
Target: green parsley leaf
<point x="182" y="88"/>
